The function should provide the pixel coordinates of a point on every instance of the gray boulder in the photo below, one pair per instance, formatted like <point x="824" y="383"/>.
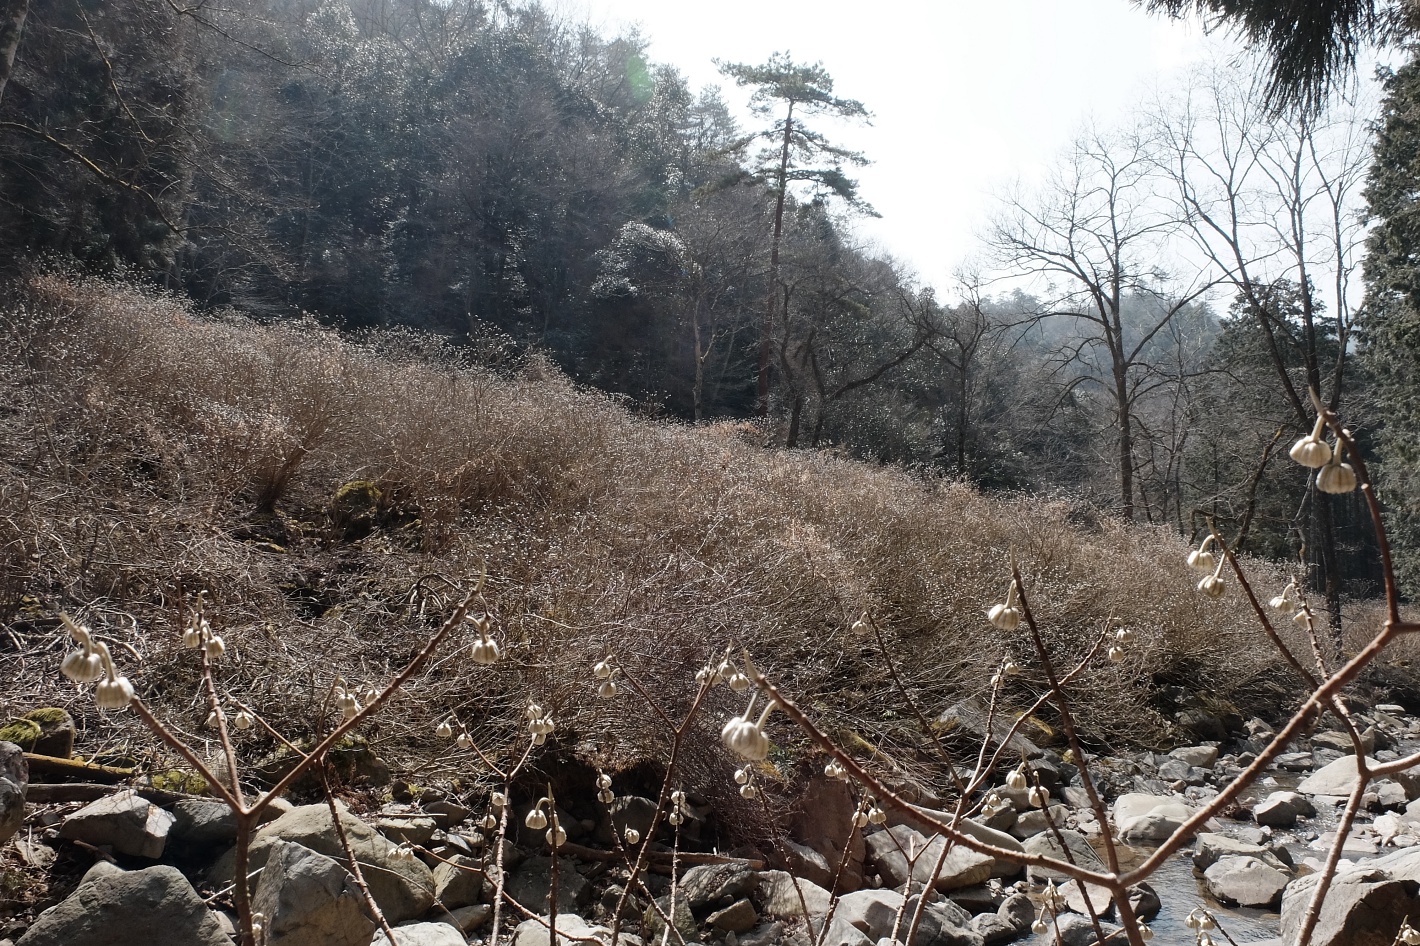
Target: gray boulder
<point x="458" y="882"/>
<point x="572" y="930"/>
<point x="112" y="907"/>
<point x="14" y="782"/>
<point x="404" y="889"/>
<point x="1205" y="757"/>
<point x="1076" y="930"/>
<point x="822" y="822"/>
<point x="199" y="822"/>
<point x="1046" y="846"/>
<point x="531" y="884"/>
<point x="1282" y="809"/>
<point x="706" y="886"/>
<point x="897" y="850"/>
<point x="1364" y="907"/>
<point x="738" y="917"/>
<point x="124" y="822"/>
<point x="422" y="934"/>
<point x="874" y="912"/>
<point x="782" y="895"/>
<point x="1246" y="881"/>
<point x="309" y="900"/>
<point x="1338" y="778"/>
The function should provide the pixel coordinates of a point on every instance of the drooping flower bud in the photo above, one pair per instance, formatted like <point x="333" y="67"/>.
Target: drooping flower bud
<point x="489" y="822"/>
<point x="603" y="780"/>
<point x="606" y="796"/>
<point x="113" y="693"/>
<point x="444" y="730"/>
<point x="746" y="738"/>
<point x="212" y="718"/>
<point x="485" y="649"/>
<point x="498" y="800"/>
<point x="607" y="689"/>
<point x="464" y="741"/>
<point x="1311" y="451"/>
<point x="536" y="819"/>
<point x="602" y="669"/>
<point x="1212" y="585"/>
<point x="1336" y="477"/>
<point x="835" y="770"/>
<point x="1145" y="933"/>
<point x="675" y="818"/>
<point x="1007" y="615"/>
<point x="1116" y="653"/>
<point x="633" y="837"/>
<point x="1016" y="779"/>
<point x="82" y="666"/>
<point x="214" y="647"/>
<point x="1201" y="558"/>
<point x="1038" y="797"/>
<point x="1038" y="927"/>
<point x="243" y="720"/>
<point x="1124" y="636"/>
<point x="1287" y="599"/>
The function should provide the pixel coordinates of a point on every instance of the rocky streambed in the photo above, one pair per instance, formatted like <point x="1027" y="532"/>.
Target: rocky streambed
<point x="147" y="867"/>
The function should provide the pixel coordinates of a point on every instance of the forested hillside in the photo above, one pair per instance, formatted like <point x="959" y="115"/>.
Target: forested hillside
<point x="522" y="185"/>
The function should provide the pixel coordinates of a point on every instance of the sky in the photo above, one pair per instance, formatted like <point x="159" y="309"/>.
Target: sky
<point x="967" y="96"/>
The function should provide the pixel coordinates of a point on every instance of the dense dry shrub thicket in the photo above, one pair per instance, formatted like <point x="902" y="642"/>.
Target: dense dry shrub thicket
<point x="333" y="499"/>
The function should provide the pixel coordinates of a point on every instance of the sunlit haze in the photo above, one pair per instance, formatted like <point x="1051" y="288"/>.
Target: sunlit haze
<point x="966" y="97"/>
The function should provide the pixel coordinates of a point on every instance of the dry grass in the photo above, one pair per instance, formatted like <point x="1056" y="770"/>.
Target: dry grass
<point x="152" y="453"/>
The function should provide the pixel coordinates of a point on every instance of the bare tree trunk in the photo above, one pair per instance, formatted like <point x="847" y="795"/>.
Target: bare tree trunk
<point x="768" y="330"/>
<point x="12" y="25"/>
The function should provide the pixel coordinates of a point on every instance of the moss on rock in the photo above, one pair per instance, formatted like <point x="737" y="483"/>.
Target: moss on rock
<point x="22" y="732"/>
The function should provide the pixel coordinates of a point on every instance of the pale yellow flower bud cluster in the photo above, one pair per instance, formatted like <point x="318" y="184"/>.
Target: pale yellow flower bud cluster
<point x="869" y="813"/>
<point x="744" y="778"/>
<point x="538" y="819"/>
<point x="484" y="650"/>
<point x="540" y="723"/>
<point x="92" y="663"/>
<point x="198" y="633"/>
<point x="1332" y="475"/>
<point x="1204" y="560"/>
<point x="747" y="739"/>
<point x="605" y="672"/>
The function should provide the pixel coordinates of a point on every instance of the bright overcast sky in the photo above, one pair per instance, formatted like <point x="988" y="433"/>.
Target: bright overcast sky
<point x="966" y="95"/>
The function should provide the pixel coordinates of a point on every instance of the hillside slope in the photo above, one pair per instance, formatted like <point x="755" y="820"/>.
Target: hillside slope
<point x="331" y="497"/>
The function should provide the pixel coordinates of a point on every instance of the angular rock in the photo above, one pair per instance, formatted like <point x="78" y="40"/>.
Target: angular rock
<point x="1046" y="845"/>
<point x="1246" y="881"/>
<point x="309" y="900"/>
<point x="1018" y="911"/>
<point x="1282" y="809"/>
<point x="874" y="912"/>
<point x="992" y="929"/>
<point x="458" y="882"/>
<point x="653" y="921"/>
<point x="782" y="895"/>
<point x="1210" y="847"/>
<point x="738" y="917"/>
<point x="14" y="783"/>
<point x="124" y="822"/>
<point x="531" y="884"/>
<point x="1143" y="818"/>
<point x="822" y="821"/>
<point x="1205" y="757"/>
<point x="572" y="930"/>
<point x="969" y="717"/>
<point x="112" y="907"/>
<point x="418" y="831"/>
<point x="708" y="886"/>
<point x="447" y="814"/>
<point x="804" y="861"/>
<point x="1338" y="778"/>
<point x="470" y="918"/>
<point x="1362" y="908"/>
<point x="198" y="822"/>
<point x="1076" y="930"/>
<point x="422" y="934"/>
<point x="1033" y="822"/>
<point x="889" y="851"/>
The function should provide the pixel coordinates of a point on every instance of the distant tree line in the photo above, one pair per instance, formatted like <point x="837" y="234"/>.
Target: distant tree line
<point x="495" y="172"/>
